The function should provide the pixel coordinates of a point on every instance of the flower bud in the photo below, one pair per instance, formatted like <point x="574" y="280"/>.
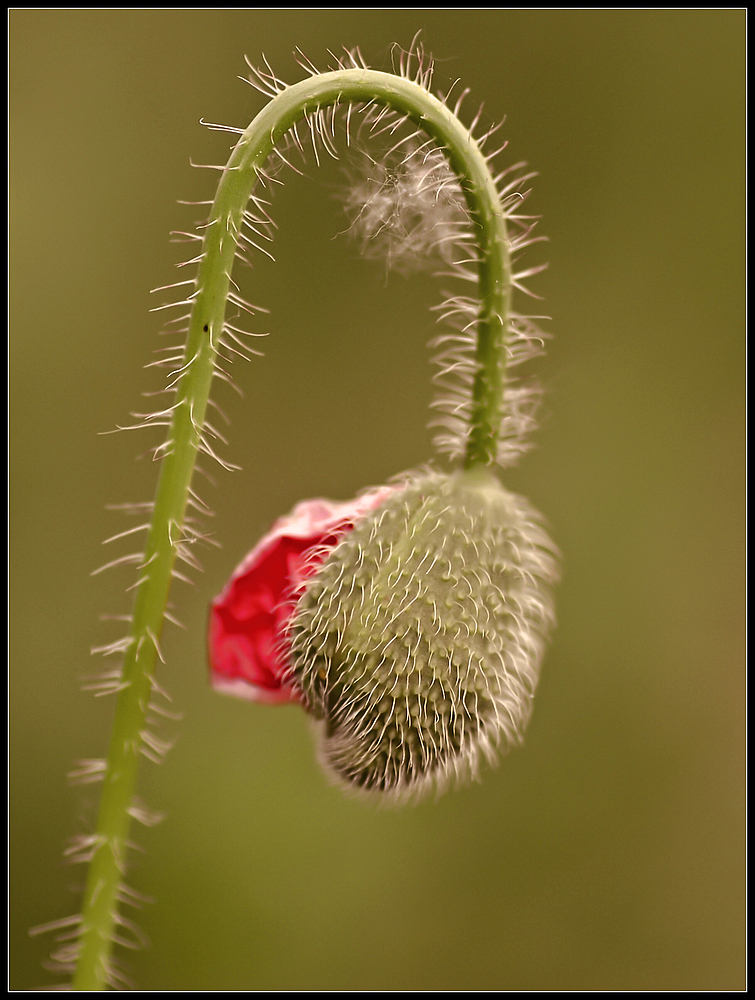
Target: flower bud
<point x="418" y="640"/>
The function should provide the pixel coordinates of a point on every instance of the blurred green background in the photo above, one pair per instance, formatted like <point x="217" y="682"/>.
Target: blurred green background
<point x="608" y="853"/>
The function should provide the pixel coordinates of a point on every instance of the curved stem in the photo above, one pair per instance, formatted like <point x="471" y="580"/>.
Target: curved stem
<point x="99" y="918"/>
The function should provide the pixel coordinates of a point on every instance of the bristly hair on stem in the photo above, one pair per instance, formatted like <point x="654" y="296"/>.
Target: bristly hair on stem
<point x="432" y="192"/>
<point x="406" y="208"/>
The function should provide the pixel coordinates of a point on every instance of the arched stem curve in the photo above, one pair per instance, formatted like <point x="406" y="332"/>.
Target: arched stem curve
<point x="99" y="921"/>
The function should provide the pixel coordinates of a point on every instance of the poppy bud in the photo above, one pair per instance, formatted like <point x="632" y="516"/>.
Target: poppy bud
<point x="418" y="640"/>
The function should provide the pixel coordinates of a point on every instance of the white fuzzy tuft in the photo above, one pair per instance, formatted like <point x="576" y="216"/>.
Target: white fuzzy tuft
<point x="408" y="209"/>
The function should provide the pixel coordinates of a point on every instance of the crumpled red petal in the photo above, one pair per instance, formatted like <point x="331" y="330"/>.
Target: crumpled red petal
<point x="248" y="620"/>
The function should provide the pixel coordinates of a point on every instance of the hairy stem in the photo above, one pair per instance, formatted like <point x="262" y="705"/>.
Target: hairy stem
<point x="100" y="918"/>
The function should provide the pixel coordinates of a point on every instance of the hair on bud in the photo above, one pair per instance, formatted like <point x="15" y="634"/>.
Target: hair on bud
<point x="417" y="643"/>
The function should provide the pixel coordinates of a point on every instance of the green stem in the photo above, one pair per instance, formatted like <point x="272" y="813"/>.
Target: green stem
<point x="99" y="918"/>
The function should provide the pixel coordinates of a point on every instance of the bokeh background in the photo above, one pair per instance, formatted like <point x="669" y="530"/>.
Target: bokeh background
<point x="608" y="853"/>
